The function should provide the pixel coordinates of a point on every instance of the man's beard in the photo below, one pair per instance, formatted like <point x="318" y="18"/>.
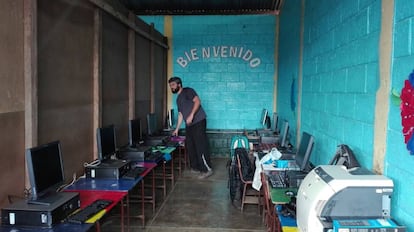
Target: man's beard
<point x="176" y="89"/>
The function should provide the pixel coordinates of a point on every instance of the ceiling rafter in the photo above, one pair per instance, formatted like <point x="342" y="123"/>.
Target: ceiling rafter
<point x="203" y="7"/>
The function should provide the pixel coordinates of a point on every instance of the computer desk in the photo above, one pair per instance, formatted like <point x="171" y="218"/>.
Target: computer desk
<point x="168" y="154"/>
<point x="89" y="196"/>
<point x="144" y="198"/>
<point x="86" y="198"/>
<point x="279" y="197"/>
<point x="62" y="227"/>
<point x="112" y="187"/>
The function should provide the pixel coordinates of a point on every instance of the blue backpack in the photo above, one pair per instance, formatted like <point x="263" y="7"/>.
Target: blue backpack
<point x="238" y="141"/>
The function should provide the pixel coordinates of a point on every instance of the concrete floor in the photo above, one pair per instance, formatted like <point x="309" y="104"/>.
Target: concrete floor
<point x="194" y="205"/>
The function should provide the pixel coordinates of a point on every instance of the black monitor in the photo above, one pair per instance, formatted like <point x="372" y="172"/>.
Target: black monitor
<point x="304" y="151"/>
<point x="284" y="134"/>
<point x="275" y="123"/>
<point x="45" y="169"/>
<point x="152" y="124"/>
<point x="135" y="132"/>
<point x="106" y="142"/>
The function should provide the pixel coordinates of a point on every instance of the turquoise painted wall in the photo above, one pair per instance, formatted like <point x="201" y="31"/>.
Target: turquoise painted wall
<point x="398" y="163"/>
<point x="229" y="61"/>
<point x="340" y="76"/>
<point x="157" y="20"/>
<point x="288" y="76"/>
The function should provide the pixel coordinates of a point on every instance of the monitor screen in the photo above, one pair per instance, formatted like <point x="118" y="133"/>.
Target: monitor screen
<point x="284" y="134"/>
<point x="135" y="132"/>
<point x="275" y="122"/>
<point x="152" y="125"/>
<point x="106" y="142"/>
<point x="45" y="169"/>
<point x="304" y="151"/>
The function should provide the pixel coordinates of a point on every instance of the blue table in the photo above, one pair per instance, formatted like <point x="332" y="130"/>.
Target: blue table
<point x="111" y="185"/>
<point x="122" y="185"/>
<point x="64" y="227"/>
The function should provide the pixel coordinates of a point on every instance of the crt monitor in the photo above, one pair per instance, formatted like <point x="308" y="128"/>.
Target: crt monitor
<point x="304" y="151"/>
<point x="284" y="134"/>
<point x="135" y="132"/>
<point x="106" y="142"/>
<point x="45" y="169"/>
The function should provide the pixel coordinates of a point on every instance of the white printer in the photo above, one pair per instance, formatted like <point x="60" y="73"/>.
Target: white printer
<point x="332" y="192"/>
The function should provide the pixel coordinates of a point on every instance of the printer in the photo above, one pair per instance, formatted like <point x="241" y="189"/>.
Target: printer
<point x="333" y="192"/>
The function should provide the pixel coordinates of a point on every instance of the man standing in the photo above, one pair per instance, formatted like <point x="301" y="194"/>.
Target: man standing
<point x="196" y="142"/>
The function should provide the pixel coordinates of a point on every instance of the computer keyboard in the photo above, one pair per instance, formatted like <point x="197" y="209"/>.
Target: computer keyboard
<point x="277" y="180"/>
<point x="172" y="144"/>
<point x="133" y="173"/>
<point x="82" y="215"/>
<point x="154" y="156"/>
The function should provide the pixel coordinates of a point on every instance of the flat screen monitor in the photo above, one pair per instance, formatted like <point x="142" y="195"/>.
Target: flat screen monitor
<point x="135" y="132"/>
<point x="106" y="142"/>
<point x="170" y="118"/>
<point x="45" y="169"/>
<point x="284" y="134"/>
<point x="152" y="125"/>
<point x="275" y="122"/>
<point x="265" y="119"/>
<point x="304" y="151"/>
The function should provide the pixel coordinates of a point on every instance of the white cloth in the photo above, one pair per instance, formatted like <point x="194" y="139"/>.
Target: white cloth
<point x="269" y="158"/>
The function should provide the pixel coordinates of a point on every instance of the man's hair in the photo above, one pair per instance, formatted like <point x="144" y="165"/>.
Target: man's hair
<point x="176" y="80"/>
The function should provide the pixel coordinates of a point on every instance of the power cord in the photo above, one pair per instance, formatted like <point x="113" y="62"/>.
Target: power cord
<point x="92" y="164"/>
<point x="66" y="185"/>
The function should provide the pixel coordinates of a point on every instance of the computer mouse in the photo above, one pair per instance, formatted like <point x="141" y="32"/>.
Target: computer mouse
<point x="289" y="193"/>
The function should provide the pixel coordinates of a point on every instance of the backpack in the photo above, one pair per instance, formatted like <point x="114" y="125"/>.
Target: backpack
<point x="235" y="184"/>
<point x="238" y="141"/>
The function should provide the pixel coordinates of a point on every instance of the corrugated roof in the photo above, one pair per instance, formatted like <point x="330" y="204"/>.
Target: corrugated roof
<point x="203" y="7"/>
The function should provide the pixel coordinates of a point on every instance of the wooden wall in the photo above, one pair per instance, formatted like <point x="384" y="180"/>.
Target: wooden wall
<point x="72" y="74"/>
<point x="11" y="99"/>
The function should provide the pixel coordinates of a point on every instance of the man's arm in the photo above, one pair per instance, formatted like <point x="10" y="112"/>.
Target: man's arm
<point x="196" y="106"/>
<point x="179" y="121"/>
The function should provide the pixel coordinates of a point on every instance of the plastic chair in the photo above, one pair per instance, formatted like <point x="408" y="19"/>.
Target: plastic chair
<point x="249" y="194"/>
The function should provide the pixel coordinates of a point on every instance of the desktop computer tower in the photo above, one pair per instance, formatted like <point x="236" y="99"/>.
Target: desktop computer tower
<point x="22" y="213"/>
<point x="111" y="169"/>
<point x="135" y="154"/>
<point x="156" y="140"/>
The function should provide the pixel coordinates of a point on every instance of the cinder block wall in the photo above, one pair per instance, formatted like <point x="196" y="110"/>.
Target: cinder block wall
<point x="340" y="76"/>
<point x="233" y="90"/>
<point x="398" y="162"/>
<point x="288" y="63"/>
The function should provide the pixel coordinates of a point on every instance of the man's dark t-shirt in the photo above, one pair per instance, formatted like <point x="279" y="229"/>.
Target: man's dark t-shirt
<point x="185" y="105"/>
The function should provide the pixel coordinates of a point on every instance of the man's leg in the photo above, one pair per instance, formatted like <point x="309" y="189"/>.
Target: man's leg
<point x="202" y="147"/>
<point x="191" y="148"/>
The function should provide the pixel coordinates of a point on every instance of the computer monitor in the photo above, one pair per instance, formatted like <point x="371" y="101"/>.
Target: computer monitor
<point x="265" y="119"/>
<point x="304" y="151"/>
<point x="170" y="118"/>
<point x="284" y="134"/>
<point x="106" y="142"/>
<point x="275" y="125"/>
<point x="152" y="125"/>
<point x="45" y="169"/>
<point x="135" y="132"/>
